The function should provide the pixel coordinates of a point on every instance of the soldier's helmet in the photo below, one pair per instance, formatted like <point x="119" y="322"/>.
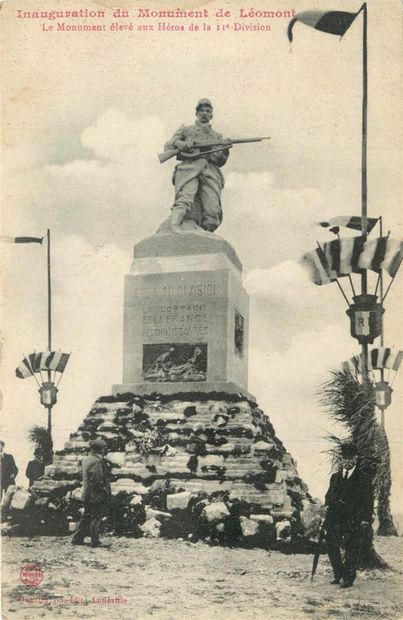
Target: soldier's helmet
<point x="204" y="102"/>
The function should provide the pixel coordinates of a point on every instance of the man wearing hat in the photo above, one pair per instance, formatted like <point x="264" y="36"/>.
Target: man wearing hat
<point x="8" y="469"/>
<point x="198" y="182"/>
<point x="349" y="502"/>
<point x="35" y="468"/>
<point x="95" y="494"/>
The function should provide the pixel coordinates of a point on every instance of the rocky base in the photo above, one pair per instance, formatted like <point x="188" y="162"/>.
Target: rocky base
<point x="187" y="465"/>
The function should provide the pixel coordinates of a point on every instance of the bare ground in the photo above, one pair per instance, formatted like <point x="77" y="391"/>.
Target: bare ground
<point x="166" y="580"/>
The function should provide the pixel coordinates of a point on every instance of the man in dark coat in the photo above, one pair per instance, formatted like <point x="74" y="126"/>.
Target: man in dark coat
<point x="8" y="469"/>
<point x="35" y="468"/>
<point x="349" y="515"/>
<point x="96" y="494"/>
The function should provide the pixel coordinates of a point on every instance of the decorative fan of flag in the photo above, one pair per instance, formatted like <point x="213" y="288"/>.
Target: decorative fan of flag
<point x="346" y="255"/>
<point x="383" y="364"/>
<point x="51" y="362"/>
<point x="43" y="361"/>
<point x="381" y="358"/>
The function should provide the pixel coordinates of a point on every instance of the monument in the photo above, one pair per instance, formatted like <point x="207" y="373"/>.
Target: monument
<point x="191" y="454"/>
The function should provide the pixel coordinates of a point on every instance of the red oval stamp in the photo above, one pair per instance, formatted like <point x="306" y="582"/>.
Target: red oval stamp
<point x="31" y="575"/>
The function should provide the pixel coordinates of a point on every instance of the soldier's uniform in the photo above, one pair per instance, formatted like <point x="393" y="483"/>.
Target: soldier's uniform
<point x="198" y="182"/>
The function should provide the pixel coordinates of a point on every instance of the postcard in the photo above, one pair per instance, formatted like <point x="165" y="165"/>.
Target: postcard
<point x="201" y="309"/>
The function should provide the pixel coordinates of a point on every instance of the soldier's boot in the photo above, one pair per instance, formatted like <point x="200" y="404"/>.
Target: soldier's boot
<point x="177" y="217"/>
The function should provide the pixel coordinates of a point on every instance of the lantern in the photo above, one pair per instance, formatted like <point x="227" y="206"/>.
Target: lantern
<point x="365" y="318"/>
<point x="383" y="394"/>
<point x="48" y="393"/>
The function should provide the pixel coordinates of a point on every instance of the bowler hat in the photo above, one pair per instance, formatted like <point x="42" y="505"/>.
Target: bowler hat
<point x="348" y="450"/>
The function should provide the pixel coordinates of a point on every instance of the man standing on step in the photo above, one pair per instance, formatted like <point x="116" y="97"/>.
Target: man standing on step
<point x="96" y="494"/>
<point x="349" y="515"/>
<point x="198" y="181"/>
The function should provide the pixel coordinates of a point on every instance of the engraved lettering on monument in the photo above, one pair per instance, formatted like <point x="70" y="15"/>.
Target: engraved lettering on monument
<point x="171" y="320"/>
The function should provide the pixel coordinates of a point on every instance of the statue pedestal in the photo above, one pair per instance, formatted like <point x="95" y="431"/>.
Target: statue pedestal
<point x="185" y="317"/>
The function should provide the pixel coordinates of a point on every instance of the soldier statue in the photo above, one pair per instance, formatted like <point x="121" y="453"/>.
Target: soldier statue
<point x="198" y="180"/>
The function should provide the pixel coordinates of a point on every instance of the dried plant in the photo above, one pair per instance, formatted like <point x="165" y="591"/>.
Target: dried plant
<point x="40" y="438"/>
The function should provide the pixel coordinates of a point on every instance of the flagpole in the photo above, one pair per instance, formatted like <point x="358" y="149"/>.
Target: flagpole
<point x="382" y="332"/>
<point x="49" y="326"/>
<point x="364" y="221"/>
<point x="364" y="196"/>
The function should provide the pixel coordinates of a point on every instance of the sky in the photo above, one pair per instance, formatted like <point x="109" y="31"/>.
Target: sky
<point x="85" y="114"/>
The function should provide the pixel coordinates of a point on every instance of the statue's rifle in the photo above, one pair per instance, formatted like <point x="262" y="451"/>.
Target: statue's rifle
<point x="199" y="149"/>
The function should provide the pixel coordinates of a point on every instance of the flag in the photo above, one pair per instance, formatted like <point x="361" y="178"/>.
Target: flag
<point x="347" y="221"/>
<point x="58" y="361"/>
<point x="342" y="255"/>
<point x="385" y="357"/>
<point x="51" y="360"/>
<point x="22" y="239"/>
<point x="333" y="22"/>
<point x="336" y="259"/>
<point x="351" y="365"/>
<point x="382" y="253"/>
<point x="315" y="264"/>
<point x="26" y="368"/>
<point x="47" y="360"/>
<point x="354" y="365"/>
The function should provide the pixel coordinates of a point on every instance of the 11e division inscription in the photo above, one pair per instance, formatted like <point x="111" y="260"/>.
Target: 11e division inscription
<point x="176" y="311"/>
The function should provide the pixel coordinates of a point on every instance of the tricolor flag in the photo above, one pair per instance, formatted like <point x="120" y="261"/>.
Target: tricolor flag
<point x="343" y="255"/>
<point x="350" y="365"/>
<point x="381" y="358"/>
<point x="26" y="368"/>
<point x="21" y="239"/>
<point x="36" y="362"/>
<point x="384" y="357"/>
<point x="348" y="221"/>
<point x="317" y="267"/>
<point x="333" y="22"/>
<point x="354" y="365"/>
<point x="382" y="253"/>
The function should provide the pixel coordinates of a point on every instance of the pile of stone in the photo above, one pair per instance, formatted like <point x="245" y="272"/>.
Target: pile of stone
<point x="196" y="466"/>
